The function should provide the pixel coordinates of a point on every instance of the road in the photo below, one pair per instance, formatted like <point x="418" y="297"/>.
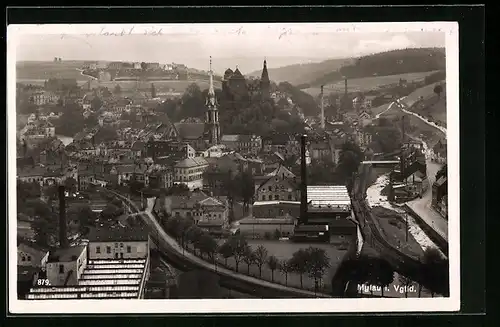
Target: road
<point x="148" y="217"/>
<point x="422" y="207"/>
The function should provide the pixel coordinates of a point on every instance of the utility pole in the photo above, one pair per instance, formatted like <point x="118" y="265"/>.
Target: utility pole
<point x="406" y="218"/>
<point x="322" y="109"/>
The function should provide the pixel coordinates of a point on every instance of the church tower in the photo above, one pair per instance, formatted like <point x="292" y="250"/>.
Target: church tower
<point x="212" y="126"/>
<point x="265" y="84"/>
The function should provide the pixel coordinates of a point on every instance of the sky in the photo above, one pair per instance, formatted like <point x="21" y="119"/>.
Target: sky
<point x="230" y="45"/>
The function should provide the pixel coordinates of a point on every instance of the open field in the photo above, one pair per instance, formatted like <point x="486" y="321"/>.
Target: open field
<point x="40" y="70"/>
<point x="37" y="72"/>
<point x="367" y="83"/>
<point x="394" y="228"/>
<point x="426" y="92"/>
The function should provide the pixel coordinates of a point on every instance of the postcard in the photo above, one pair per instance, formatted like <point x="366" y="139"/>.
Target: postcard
<point x="239" y="168"/>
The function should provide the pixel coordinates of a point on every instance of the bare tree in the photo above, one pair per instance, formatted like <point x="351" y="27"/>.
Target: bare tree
<point x="273" y="264"/>
<point x="285" y="268"/>
<point x="249" y="258"/>
<point x="260" y="257"/>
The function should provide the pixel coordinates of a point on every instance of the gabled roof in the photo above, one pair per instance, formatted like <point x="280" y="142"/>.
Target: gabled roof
<point x="191" y="162"/>
<point x="230" y="138"/>
<point x="190" y="130"/>
<point x="138" y="234"/>
<point x="281" y="171"/>
<point x="31" y="247"/>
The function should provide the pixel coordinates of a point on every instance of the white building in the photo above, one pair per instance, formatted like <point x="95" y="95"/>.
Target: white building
<point x="190" y="172"/>
<point x="30" y="255"/>
<point x="118" y="244"/>
<point x="65" y="266"/>
<point x="119" y="274"/>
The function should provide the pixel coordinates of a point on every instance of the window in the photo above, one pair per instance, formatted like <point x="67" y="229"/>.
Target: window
<point x="289" y="196"/>
<point x="108" y="249"/>
<point x="270" y="197"/>
<point x="97" y="249"/>
<point x="129" y="249"/>
<point x="270" y="188"/>
<point x="121" y="245"/>
<point x="29" y="258"/>
<point x="61" y="269"/>
<point x="23" y="258"/>
<point x="276" y="197"/>
<point x="263" y="198"/>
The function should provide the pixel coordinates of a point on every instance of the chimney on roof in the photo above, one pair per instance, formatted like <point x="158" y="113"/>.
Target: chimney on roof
<point x="303" y="176"/>
<point x="63" y="240"/>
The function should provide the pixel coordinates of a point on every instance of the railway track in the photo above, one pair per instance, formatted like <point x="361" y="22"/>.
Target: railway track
<point x="401" y="262"/>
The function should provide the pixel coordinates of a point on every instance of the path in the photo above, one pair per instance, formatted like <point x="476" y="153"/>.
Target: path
<point x="402" y="106"/>
<point x="151" y="220"/>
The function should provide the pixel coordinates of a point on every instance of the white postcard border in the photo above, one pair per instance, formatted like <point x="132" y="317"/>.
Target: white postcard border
<point x="357" y="305"/>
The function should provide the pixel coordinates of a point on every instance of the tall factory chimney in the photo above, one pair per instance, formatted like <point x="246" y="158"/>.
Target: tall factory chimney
<point x="345" y="86"/>
<point x="63" y="240"/>
<point x="303" y="180"/>
<point x="322" y="110"/>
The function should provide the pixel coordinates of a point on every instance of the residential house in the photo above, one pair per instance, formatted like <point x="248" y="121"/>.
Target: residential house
<point x="440" y="151"/>
<point x="137" y="149"/>
<point x="32" y="255"/>
<point x="65" y="266"/>
<point x="278" y="188"/>
<point x="439" y="190"/>
<point x="221" y="169"/>
<point x="230" y="141"/>
<point x="119" y="243"/>
<point x="249" y="144"/>
<point x="41" y="98"/>
<point x="190" y="172"/>
<point x="115" y="65"/>
<point x="130" y="172"/>
<point x="319" y="149"/>
<point x="193" y="133"/>
<point x="215" y="151"/>
<point x="207" y="212"/>
<point x="173" y="150"/>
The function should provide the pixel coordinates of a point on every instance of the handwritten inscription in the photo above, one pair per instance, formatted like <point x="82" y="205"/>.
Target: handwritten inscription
<point x="148" y="31"/>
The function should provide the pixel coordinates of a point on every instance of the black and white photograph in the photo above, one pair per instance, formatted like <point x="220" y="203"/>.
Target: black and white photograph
<point x="296" y="166"/>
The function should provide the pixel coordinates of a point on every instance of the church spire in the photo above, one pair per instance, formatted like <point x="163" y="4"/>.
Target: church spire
<point x="211" y="92"/>
<point x="265" y="82"/>
<point x="265" y="74"/>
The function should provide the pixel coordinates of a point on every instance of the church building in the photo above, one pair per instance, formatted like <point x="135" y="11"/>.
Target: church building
<point x="212" y="126"/>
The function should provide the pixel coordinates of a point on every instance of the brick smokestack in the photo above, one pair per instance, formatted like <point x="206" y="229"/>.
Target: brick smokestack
<point x="345" y="86"/>
<point x="63" y="240"/>
<point x="303" y="180"/>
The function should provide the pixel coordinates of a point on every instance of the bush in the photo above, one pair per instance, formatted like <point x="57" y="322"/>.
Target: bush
<point x="277" y="234"/>
<point x="267" y="236"/>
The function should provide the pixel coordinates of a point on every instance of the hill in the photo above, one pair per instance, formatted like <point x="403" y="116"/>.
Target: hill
<point x="302" y="73"/>
<point x="393" y="62"/>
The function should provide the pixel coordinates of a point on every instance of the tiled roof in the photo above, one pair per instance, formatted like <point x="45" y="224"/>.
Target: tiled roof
<point x="230" y="138"/>
<point x="118" y="234"/>
<point x="137" y="146"/>
<point x="31" y="247"/>
<point x="67" y="254"/>
<point x="190" y="130"/>
<point x="191" y="162"/>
